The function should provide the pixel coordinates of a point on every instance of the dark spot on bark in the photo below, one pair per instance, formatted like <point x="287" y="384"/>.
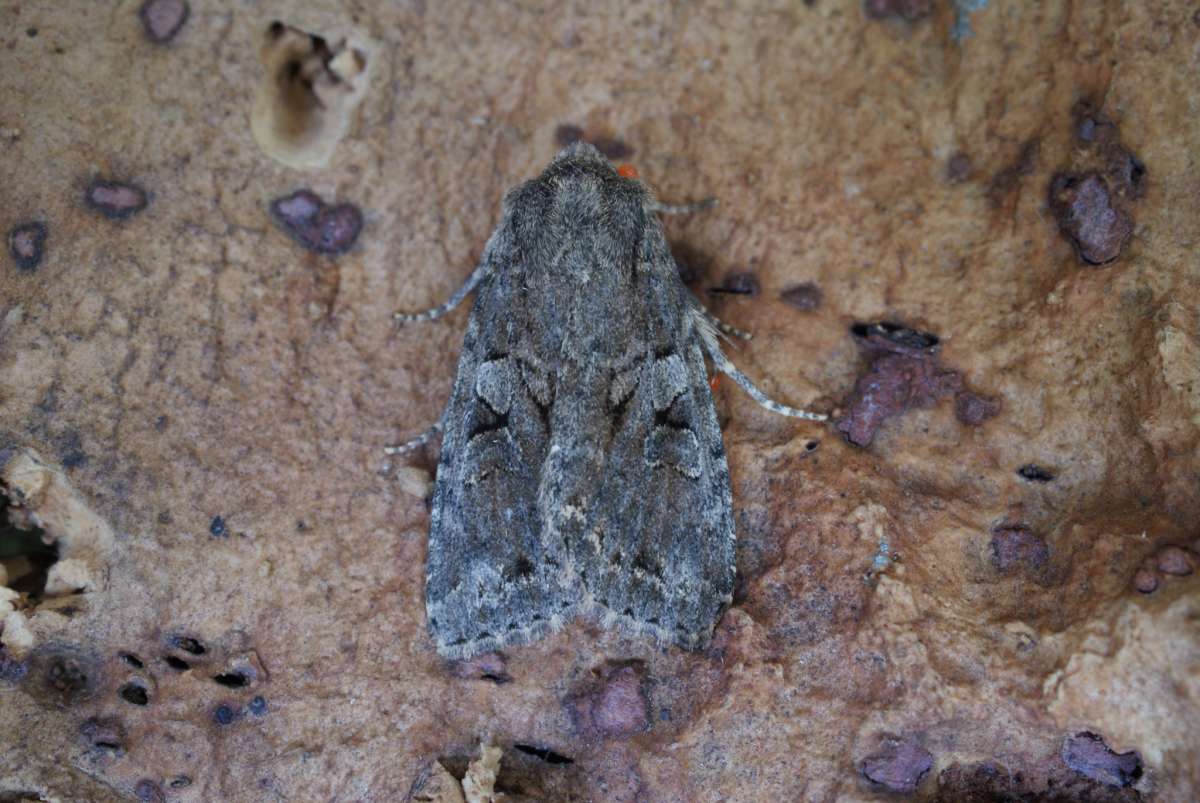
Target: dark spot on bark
<point x="491" y="666"/>
<point x="805" y="297"/>
<point x="134" y="693"/>
<point x="690" y="263"/>
<point x="115" y="200"/>
<point x="178" y="664"/>
<point x="315" y="225"/>
<point x="738" y="283"/>
<point x="959" y="168"/>
<point x="898" y="765"/>
<point x="224" y="715"/>
<point x="1175" y="561"/>
<point x="549" y="756"/>
<point x="217" y="526"/>
<point x="1145" y="581"/>
<point x="908" y="10"/>
<point x="613" y="148"/>
<point x="67" y="676"/>
<point x="1008" y="178"/>
<point x="106" y="734"/>
<point x="132" y="660"/>
<point x="1035" y="473"/>
<point x="27" y="245"/>
<point x="972" y="409"/>
<point x="31" y="32"/>
<point x="162" y="19"/>
<point x="1015" y="547"/>
<point x="567" y="134"/>
<point x="1083" y="208"/>
<point x="180" y="782"/>
<point x="258" y="706"/>
<point x="1087" y="754"/>
<point x="612" y="704"/>
<point x="70" y="450"/>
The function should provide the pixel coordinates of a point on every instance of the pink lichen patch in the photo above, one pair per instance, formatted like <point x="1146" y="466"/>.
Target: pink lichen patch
<point x="959" y="168"/>
<point x="148" y="791"/>
<point x="115" y="199"/>
<point x="1088" y="218"/>
<point x="973" y="409"/>
<point x="1145" y="581"/>
<point x="805" y="297"/>
<point x="613" y="706"/>
<point x="1016" y="548"/>
<point x="903" y="374"/>
<point x="27" y="244"/>
<point x="898" y="766"/>
<point x="315" y="225"/>
<point x="1176" y="561"/>
<point x="162" y="19"/>
<point x="1087" y="754"/>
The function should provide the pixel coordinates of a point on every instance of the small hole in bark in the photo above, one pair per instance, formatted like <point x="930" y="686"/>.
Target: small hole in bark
<point x="308" y="94"/>
<point x="24" y="553"/>
<point x="178" y="664"/>
<point x="1034" y="473"/>
<point x="549" y="756"/>
<point x="134" y="693"/>
<point x="188" y="644"/>
<point x="232" y="680"/>
<point x="132" y="660"/>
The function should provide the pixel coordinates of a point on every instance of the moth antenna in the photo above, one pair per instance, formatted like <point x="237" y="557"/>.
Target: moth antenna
<point x="722" y="364"/>
<point x="477" y="275"/>
<point x="683" y="209"/>
<point x="727" y="331"/>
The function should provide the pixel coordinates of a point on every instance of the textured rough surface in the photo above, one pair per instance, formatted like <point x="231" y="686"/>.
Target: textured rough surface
<point x="190" y="361"/>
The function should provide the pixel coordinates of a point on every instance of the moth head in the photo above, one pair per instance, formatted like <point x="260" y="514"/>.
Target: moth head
<point x="579" y="157"/>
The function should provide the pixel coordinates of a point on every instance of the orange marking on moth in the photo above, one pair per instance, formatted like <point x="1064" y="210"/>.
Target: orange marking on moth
<point x="627" y="171"/>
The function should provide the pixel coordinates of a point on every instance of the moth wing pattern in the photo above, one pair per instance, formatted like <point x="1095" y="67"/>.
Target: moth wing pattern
<point x="659" y="558"/>
<point x="492" y="579"/>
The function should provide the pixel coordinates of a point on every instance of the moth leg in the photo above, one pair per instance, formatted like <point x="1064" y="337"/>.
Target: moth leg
<point x="682" y="209"/>
<point x="414" y="443"/>
<point x="722" y="364"/>
<point x="481" y="270"/>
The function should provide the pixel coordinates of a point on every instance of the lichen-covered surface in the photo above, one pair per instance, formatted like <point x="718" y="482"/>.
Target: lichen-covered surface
<point x="988" y="594"/>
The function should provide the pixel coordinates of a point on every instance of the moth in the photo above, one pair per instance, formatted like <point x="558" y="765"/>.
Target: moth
<point x="582" y="470"/>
